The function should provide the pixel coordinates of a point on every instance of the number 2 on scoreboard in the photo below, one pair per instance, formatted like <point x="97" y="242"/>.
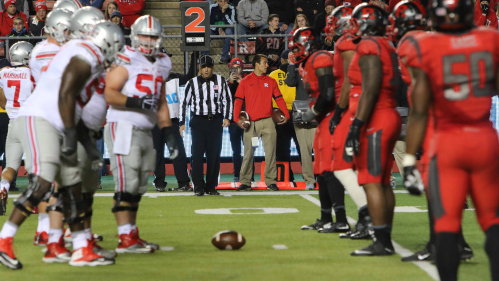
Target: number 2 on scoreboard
<point x="194" y="25"/>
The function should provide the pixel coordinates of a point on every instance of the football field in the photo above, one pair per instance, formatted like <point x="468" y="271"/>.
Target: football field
<point x="276" y="248"/>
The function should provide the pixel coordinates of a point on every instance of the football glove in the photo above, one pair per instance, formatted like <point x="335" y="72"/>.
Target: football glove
<point x="352" y="142"/>
<point x="301" y="117"/>
<point x="412" y="178"/>
<point x="335" y="120"/>
<point x="170" y="141"/>
<point x="147" y="102"/>
<point x="485" y="8"/>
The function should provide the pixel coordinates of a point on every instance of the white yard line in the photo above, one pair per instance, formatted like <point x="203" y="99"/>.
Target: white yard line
<point x="427" y="267"/>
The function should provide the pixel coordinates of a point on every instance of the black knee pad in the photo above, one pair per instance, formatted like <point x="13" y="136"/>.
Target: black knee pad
<point x="74" y="208"/>
<point x="58" y="205"/>
<point x="123" y="197"/>
<point x="33" y="194"/>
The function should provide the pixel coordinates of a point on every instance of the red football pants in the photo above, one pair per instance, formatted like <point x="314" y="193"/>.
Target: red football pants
<point x="323" y="152"/>
<point x="466" y="161"/>
<point x="377" y="140"/>
<point x="341" y="161"/>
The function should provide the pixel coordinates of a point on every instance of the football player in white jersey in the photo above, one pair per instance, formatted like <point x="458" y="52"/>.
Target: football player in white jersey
<point x="50" y="143"/>
<point x="71" y="5"/>
<point x="15" y="87"/>
<point x="136" y="94"/>
<point x="50" y="227"/>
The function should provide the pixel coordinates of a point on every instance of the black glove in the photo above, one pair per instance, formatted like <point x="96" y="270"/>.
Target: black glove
<point x="335" y="120"/>
<point x="352" y="142"/>
<point x="413" y="181"/>
<point x="168" y="133"/>
<point x="303" y="116"/>
<point x="485" y="8"/>
<point x="69" y="141"/>
<point x="148" y="102"/>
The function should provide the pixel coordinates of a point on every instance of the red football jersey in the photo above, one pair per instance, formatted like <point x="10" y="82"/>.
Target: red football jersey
<point x="316" y="60"/>
<point x="383" y="48"/>
<point x="343" y="44"/>
<point x="462" y="69"/>
<point x="404" y="48"/>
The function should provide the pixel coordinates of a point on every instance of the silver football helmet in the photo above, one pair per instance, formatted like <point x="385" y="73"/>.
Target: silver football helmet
<point x="83" y="21"/>
<point x="57" y="24"/>
<point x="109" y="38"/>
<point x="20" y="53"/>
<point x="71" y="5"/>
<point x="147" y="25"/>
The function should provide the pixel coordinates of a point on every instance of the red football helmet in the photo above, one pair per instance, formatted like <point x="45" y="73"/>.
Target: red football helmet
<point x="306" y="41"/>
<point x="337" y="22"/>
<point x="368" y="20"/>
<point x="451" y="15"/>
<point x="407" y="16"/>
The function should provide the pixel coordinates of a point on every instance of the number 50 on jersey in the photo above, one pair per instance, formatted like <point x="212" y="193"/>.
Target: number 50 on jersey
<point x="195" y="26"/>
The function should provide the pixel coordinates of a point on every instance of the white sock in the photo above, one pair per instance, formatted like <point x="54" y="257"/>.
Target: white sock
<point x="88" y="232"/>
<point x="55" y="235"/>
<point x="79" y="240"/>
<point x="43" y="222"/>
<point x="5" y="184"/>
<point x="8" y="230"/>
<point x="124" y="229"/>
<point x="134" y="227"/>
<point x="348" y="179"/>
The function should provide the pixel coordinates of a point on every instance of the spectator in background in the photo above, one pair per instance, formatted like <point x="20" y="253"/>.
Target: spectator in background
<point x="110" y="8"/>
<point x="485" y="14"/>
<point x="252" y="17"/>
<point x="222" y="13"/>
<point x="305" y="133"/>
<point x="300" y="21"/>
<point x="117" y="19"/>
<point x="285" y="132"/>
<point x="272" y="47"/>
<point x="21" y="5"/>
<point x="131" y="10"/>
<point x="94" y="3"/>
<point x="18" y="31"/>
<point x="380" y="3"/>
<point x="7" y="17"/>
<point x="308" y="8"/>
<point x="38" y="22"/>
<point x="285" y="12"/>
<point x="320" y="19"/>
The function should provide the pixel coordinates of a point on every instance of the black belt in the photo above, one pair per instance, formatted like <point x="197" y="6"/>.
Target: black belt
<point x="209" y="116"/>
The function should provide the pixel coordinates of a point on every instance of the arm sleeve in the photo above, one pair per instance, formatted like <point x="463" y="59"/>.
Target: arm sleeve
<point x="279" y="99"/>
<point x="227" y="100"/>
<point x="238" y="101"/>
<point x="291" y="77"/>
<point x="265" y="15"/>
<point x="185" y="100"/>
<point x="240" y="16"/>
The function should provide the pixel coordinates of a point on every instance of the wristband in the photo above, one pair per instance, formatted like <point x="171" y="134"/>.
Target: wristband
<point x="409" y="160"/>
<point x="132" y="102"/>
<point x="338" y="110"/>
<point x="357" y="123"/>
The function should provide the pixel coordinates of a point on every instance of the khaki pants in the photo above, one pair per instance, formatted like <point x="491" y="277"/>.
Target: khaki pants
<point x="305" y="136"/>
<point x="264" y="128"/>
<point x="398" y="152"/>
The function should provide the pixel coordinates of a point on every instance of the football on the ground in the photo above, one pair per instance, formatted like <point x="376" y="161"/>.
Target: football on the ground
<point x="228" y="240"/>
<point x="244" y="116"/>
<point x="277" y="115"/>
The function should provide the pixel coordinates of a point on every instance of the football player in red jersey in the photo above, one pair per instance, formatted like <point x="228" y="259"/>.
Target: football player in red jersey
<point x="343" y="165"/>
<point x="461" y="60"/>
<point x="376" y="127"/>
<point x="409" y="19"/>
<point x="316" y="70"/>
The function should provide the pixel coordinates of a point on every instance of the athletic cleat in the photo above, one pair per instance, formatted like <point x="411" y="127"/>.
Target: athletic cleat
<point x="346" y="234"/>
<point x="108" y="254"/>
<point x="67" y="237"/>
<point x="56" y="252"/>
<point x="97" y="237"/>
<point x="86" y="257"/>
<point x="41" y="239"/>
<point x="467" y="253"/>
<point x="423" y="255"/>
<point x="144" y="242"/>
<point x="315" y="226"/>
<point x="375" y="249"/>
<point x="361" y="234"/>
<point x="34" y="210"/>
<point x="130" y="244"/>
<point x="7" y="257"/>
<point x="335" y="227"/>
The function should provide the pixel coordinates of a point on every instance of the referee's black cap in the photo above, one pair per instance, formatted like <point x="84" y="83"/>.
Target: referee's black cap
<point x="206" y="60"/>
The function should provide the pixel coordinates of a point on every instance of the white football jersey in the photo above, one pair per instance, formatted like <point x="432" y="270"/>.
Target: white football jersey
<point x="94" y="112"/>
<point x="17" y="86"/>
<point x="144" y="78"/>
<point x="44" y="102"/>
<point x="41" y="55"/>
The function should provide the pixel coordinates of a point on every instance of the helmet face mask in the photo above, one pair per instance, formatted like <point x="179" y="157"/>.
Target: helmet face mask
<point x="150" y="27"/>
<point x="306" y="41"/>
<point x="109" y="38"/>
<point x="20" y="53"/>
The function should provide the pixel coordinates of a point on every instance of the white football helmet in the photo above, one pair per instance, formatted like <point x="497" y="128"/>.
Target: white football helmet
<point x="108" y="37"/>
<point x="20" y="53"/>
<point x="71" y="5"/>
<point x="147" y="25"/>
<point x="57" y="24"/>
<point x="83" y="21"/>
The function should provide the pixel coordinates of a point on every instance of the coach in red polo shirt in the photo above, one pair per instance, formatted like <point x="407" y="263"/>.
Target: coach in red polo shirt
<point x="7" y="17"/>
<point x="256" y="91"/>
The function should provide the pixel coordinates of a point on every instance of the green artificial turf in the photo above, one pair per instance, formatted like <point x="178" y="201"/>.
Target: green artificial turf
<point x="172" y="222"/>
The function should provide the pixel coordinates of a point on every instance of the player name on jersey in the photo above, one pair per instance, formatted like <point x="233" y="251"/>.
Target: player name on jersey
<point x="10" y="75"/>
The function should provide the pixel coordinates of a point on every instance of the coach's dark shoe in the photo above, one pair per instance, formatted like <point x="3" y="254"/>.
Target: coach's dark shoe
<point x="244" y="187"/>
<point x="318" y="224"/>
<point x="200" y="193"/>
<point x="160" y="186"/>
<point x="423" y="255"/>
<point x="214" y="192"/>
<point x="375" y="249"/>
<point x="185" y="188"/>
<point x="273" y="187"/>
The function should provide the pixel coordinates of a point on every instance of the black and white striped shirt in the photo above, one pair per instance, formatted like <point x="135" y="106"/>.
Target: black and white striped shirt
<point x="206" y="97"/>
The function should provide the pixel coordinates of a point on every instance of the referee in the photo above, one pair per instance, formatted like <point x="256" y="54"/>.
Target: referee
<point x="210" y="100"/>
